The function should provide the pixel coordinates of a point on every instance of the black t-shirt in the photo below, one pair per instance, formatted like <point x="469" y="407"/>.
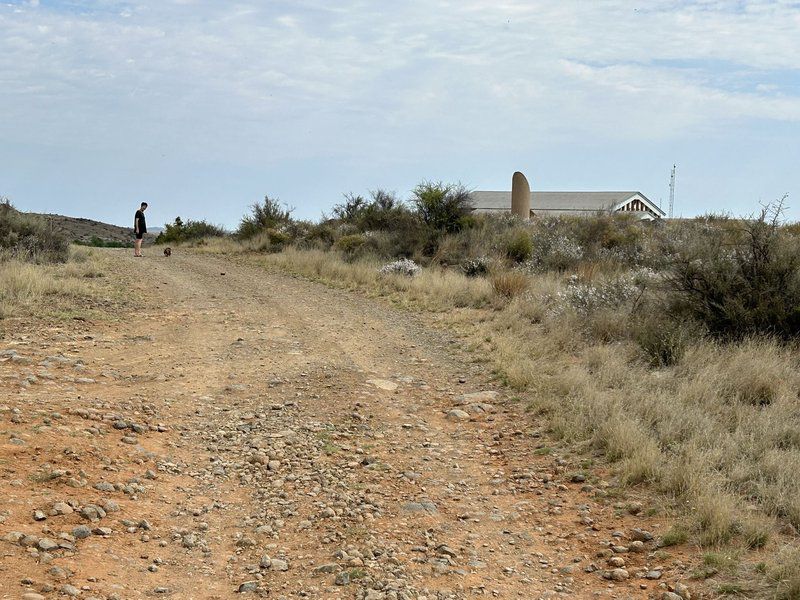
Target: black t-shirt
<point x="142" y="224"/>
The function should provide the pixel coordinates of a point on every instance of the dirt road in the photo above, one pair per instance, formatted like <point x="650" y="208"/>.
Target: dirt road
<point x="250" y="433"/>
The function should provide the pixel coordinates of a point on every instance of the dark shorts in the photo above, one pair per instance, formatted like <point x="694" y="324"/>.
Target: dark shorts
<point x="139" y="236"/>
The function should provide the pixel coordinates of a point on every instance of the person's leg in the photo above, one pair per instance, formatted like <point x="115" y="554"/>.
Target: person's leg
<point x="137" y="247"/>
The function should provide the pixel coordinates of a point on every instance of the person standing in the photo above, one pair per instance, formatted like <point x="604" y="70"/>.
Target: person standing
<point x="139" y="229"/>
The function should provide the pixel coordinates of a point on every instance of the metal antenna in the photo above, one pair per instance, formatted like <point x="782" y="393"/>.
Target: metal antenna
<point x="672" y="193"/>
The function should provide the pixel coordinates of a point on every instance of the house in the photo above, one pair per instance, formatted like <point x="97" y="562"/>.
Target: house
<point x="580" y="204"/>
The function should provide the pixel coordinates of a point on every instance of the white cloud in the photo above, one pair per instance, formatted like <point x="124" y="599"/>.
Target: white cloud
<point x="244" y="80"/>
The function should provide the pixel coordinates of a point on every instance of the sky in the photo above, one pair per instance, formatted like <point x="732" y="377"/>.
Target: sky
<point x="201" y="107"/>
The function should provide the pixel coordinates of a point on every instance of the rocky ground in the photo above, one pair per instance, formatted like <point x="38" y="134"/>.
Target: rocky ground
<point x="249" y="433"/>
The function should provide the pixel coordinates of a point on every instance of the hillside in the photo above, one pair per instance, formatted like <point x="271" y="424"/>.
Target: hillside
<point x="82" y="230"/>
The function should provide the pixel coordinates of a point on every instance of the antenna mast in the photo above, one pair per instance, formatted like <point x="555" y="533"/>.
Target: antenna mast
<point x="672" y="193"/>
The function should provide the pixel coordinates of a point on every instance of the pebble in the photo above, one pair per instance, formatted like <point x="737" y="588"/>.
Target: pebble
<point x="456" y="414"/>
<point x="70" y="590"/>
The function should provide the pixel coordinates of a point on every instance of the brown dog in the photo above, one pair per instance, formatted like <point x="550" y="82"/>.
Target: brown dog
<point x="167" y="252"/>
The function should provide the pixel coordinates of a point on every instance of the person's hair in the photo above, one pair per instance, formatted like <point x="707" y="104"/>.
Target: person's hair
<point x="144" y="205"/>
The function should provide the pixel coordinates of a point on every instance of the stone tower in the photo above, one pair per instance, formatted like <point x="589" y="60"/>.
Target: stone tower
<point x="520" y="196"/>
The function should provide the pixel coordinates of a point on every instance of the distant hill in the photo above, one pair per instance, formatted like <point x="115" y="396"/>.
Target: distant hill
<point x="88" y="231"/>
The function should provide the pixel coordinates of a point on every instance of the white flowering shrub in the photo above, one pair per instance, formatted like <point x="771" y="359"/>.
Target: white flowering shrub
<point x="586" y="298"/>
<point x="476" y="267"/>
<point x="553" y="250"/>
<point x="404" y="266"/>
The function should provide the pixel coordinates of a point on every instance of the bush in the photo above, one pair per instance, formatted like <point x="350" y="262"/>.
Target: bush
<point x="476" y="267"/>
<point x="518" y="246"/>
<point x="741" y="279"/>
<point x="98" y="242"/>
<point x="270" y="214"/>
<point x="350" y="244"/>
<point x="403" y="266"/>
<point x="442" y="207"/>
<point x="663" y="339"/>
<point x="351" y="210"/>
<point x="178" y="231"/>
<point x="553" y="248"/>
<point x="30" y="238"/>
<point x="587" y="298"/>
<point x="510" y="284"/>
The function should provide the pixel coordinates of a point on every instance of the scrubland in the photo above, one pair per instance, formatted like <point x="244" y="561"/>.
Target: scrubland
<point x="666" y="350"/>
<point x="40" y="274"/>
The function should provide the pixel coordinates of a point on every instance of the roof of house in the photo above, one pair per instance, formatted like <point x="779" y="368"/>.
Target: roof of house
<point x="559" y="202"/>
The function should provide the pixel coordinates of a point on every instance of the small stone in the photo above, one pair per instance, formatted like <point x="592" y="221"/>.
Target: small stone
<point x="248" y="586"/>
<point x="70" y="590"/>
<point x="457" y="414"/>
<point x="329" y="568"/>
<point x="47" y="544"/>
<point x="682" y="590"/>
<point x="279" y="565"/>
<point x="81" y="532"/>
<point x="641" y="535"/>
<point x="58" y="573"/>
<point x="38" y="515"/>
<point x="670" y="596"/>
<point x="266" y="562"/>
<point x="61" y="508"/>
<point x="104" y="486"/>
<point x="653" y="575"/>
<point x="616" y="575"/>
<point x="342" y="578"/>
<point x="616" y="561"/>
<point x="32" y="596"/>
<point x="130" y="439"/>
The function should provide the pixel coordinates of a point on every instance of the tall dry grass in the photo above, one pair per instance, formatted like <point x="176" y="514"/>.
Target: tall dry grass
<point x="27" y="288"/>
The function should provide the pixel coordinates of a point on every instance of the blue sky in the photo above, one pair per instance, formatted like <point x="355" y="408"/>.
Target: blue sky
<point x="200" y="108"/>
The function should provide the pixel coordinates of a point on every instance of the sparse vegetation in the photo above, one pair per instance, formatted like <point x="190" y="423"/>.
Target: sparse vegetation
<point x="669" y="347"/>
<point x="179" y="231"/>
<point x="28" y="288"/>
<point x="269" y="214"/>
<point x="29" y="238"/>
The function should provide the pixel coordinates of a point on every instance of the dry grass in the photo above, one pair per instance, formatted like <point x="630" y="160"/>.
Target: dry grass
<point x="27" y="288"/>
<point x="509" y="284"/>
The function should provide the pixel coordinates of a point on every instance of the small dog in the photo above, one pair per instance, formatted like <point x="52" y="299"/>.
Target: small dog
<point x="167" y="252"/>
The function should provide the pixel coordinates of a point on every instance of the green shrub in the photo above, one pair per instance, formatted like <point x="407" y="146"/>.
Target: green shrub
<point x="662" y="338"/>
<point x="269" y="214"/>
<point x="30" y="238"/>
<point x="443" y="207"/>
<point x="740" y="279"/>
<point x="98" y="242"/>
<point x="518" y="246"/>
<point x="178" y="231"/>
<point x="350" y="244"/>
<point x="351" y="210"/>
